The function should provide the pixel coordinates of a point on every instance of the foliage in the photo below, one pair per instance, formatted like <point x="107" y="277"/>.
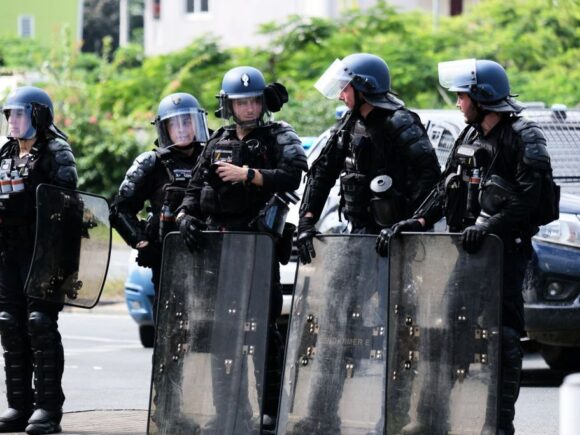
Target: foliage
<point x="106" y="102"/>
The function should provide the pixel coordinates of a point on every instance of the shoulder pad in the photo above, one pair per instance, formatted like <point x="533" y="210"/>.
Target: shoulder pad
<point x="136" y="174"/>
<point x="62" y="151"/>
<point x="57" y="144"/>
<point x="146" y="160"/>
<point x="535" y="152"/>
<point x="528" y="131"/>
<point x="536" y="156"/>
<point x="407" y="127"/>
<point x="280" y="126"/>
<point x="285" y="134"/>
<point x="402" y="117"/>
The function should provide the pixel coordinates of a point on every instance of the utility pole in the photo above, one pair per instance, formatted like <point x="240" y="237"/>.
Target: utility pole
<point x="123" y="23"/>
<point x="435" y="6"/>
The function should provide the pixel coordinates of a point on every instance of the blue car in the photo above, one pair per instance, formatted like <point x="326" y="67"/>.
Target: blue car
<point x="139" y="294"/>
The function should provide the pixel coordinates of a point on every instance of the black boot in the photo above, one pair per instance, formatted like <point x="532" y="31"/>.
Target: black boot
<point x="511" y="373"/>
<point x="18" y="368"/>
<point x="48" y="367"/>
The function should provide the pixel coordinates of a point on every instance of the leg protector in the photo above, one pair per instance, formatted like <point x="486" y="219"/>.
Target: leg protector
<point x="18" y="367"/>
<point x="48" y="356"/>
<point x="511" y="372"/>
<point x="274" y="367"/>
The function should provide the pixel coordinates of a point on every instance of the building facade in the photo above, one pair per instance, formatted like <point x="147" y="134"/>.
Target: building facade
<point x="170" y="25"/>
<point x="40" y="19"/>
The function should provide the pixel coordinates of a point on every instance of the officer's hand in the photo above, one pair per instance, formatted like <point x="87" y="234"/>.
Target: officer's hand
<point x="191" y="230"/>
<point x="306" y="232"/>
<point x="472" y="237"/>
<point x="382" y="245"/>
<point x="148" y="255"/>
<point x="231" y="173"/>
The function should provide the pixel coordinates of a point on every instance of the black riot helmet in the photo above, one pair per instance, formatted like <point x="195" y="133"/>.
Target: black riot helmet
<point x="180" y="121"/>
<point x="485" y="81"/>
<point x="366" y="73"/>
<point x="242" y="82"/>
<point x="33" y="107"/>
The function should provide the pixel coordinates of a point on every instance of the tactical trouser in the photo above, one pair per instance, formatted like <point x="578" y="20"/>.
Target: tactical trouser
<point x="36" y="334"/>
<point x="18" y="368"/>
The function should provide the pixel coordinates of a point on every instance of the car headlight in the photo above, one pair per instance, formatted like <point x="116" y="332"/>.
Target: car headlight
<point x="564" y="231"/>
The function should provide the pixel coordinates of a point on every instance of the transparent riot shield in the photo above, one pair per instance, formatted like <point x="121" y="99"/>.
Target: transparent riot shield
<point x="334" y="375"/>
<point x="444" y="335"/>
<point x="72" y="247"/>
<point x="212" y="325"/>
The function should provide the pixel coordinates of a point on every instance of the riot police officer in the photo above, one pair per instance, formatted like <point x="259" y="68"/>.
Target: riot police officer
<point x="160" y="176"/>
<point x="379" y="149"/>
<point x="492" y="184"/>
<point x="37" y="152"/>
<point x="240" y="170"/>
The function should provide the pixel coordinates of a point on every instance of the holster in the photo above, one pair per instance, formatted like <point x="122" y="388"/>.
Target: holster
<point x="228" y="199"/>
<point x="355" y="195"/>
<point x="284" y="245"/>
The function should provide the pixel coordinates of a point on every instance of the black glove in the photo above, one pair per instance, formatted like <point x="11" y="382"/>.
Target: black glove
<point x="306" y="232"/>
<point x="149" y="255"/>
<point x="472" y="237"/>
<point x="275" y="95"/>
<point x="382" y="245"/>
<point x="191" y="230"/>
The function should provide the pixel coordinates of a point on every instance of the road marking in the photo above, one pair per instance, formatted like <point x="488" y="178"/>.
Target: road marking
<point x="99" y="339"/>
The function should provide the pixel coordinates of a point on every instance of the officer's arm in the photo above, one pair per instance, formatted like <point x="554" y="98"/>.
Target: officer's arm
<point x="322" y="176"/>
<point x="291" y="161"/>
<point x="412" y="138"/>
<point x="533" y="160"/>
<point x="191" y="200"/>
<point x="131" y="199"/>
<point x="63" y="172"/>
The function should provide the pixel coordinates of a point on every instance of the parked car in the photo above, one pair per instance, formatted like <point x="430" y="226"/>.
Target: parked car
<point x="139" y="294"/>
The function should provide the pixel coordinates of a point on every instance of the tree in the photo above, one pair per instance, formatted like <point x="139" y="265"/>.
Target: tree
<point x="101" y="18"/>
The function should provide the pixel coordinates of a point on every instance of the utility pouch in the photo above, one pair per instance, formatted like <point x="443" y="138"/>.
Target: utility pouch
<point x="272" y="217"/>
<point x="496" y="192"/>
<point x="356" y="194"/>
<point x="387" y="205"/>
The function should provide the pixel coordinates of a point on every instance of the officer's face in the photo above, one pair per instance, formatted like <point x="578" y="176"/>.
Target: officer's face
<point x="465" y="104"/>
<point x="347" y="96"/>
<point x="181" y="130"/>
<point x="18" y="122"/>
<point x="247" y="109"/>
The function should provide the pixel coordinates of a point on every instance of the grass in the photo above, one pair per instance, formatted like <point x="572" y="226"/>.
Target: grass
<point x="114" y="289"/>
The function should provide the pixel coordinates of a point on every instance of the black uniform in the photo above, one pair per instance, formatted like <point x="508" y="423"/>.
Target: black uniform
<point x="516" y="159"/>
<point x="30" y="336"/>
<point x="160" y="177"/>
<point x="386" y="142"/>
<point x="276" y="151"/>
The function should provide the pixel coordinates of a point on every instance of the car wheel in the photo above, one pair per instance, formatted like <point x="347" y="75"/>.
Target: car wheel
<point x="147" y="335"/>
<point x="560" y="357"/>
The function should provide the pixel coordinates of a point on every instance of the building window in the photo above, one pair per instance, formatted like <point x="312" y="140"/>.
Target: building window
<point x="196" y="6"/>
<point x="26" y="26"/>
<point x="156" y="9"/>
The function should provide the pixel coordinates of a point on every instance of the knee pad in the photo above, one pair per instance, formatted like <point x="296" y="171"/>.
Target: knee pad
<point x="8" y="323"/>
<point x="43" y="330"/>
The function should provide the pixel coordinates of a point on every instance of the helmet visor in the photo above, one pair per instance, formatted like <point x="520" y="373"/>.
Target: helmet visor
<point x="457" y="75"/>
<point x="184" y="127"/>
<point x="334" y="80"/>
<point x="17" y="122"/>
